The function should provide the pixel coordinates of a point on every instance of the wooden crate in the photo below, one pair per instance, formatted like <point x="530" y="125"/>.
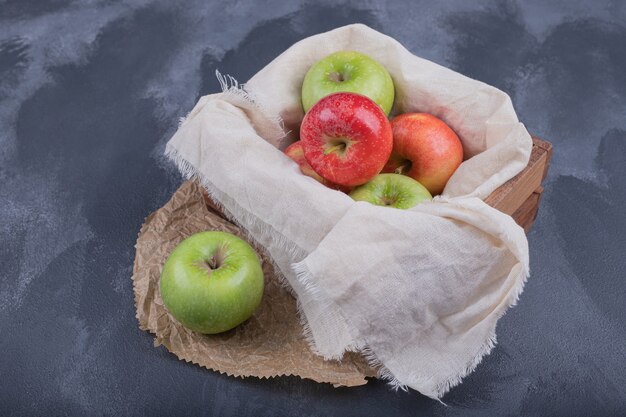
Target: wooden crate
<point x="521" y="195"/>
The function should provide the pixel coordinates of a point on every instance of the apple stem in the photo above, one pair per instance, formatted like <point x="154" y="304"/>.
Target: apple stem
<point x="212" y="263"/>
<point x="406" y="167"/>
<point x="337" y="77"/>
<point x="338" y="147"/>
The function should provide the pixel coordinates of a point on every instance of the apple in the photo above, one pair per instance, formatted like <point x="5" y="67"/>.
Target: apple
<point x="347" y="138"/>
<point x="393" y="190"/>
<point x="212" y="282"/>
<point x="348" y="71"/>
<point x="296" y="153"/>
<point x="426" y="149"/>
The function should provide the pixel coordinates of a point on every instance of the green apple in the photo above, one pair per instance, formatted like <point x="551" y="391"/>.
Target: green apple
<point x="348" y="71"/>
<point x="393" y="190"/>
<point x="212" y="282"/>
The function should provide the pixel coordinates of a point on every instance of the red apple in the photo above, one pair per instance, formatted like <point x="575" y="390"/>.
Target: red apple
<point x="424" y="148"/>
<point x="295" y="152"/>
<point x="346" y="138"/>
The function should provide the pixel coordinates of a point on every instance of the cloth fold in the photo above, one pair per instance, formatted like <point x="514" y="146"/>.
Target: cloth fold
<point x="418" y="291"/>
<point x="426" y="311"/>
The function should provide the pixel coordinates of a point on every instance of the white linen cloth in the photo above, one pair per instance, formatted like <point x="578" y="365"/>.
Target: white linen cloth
<point x="418" y="291"/>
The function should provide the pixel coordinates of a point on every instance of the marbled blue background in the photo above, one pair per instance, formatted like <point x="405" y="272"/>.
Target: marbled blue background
<point x="90" y="91"/>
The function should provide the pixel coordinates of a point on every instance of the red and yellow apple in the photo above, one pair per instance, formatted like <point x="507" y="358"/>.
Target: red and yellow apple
<point x="426" y="149"/>
<point x="296" y="153"/>
<point x="347" y="138"/>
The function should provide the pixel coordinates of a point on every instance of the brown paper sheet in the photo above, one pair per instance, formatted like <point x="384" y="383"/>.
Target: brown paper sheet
<point x="270" y="343"/>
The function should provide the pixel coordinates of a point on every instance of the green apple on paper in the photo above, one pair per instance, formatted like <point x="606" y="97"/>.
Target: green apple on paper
<point x="212" y="282"/>
<point x="392" y="190"/>
<point x="348" y="71"/>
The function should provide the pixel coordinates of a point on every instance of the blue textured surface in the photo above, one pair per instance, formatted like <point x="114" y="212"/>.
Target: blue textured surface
<point x="91" y="90"/>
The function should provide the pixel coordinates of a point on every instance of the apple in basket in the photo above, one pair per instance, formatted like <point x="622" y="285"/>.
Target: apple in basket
<point x="212" y="282"/>
<point x="296" y="153"/>
<point x="426" y="149"/>
<point x="348" y="71"/>
<point x="347" y="138"/>
<point x="392" y="190"/>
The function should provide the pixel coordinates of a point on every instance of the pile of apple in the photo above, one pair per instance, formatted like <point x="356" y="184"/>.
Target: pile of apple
<point x="348" y="143"/>
<point x="213" y="281"/>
